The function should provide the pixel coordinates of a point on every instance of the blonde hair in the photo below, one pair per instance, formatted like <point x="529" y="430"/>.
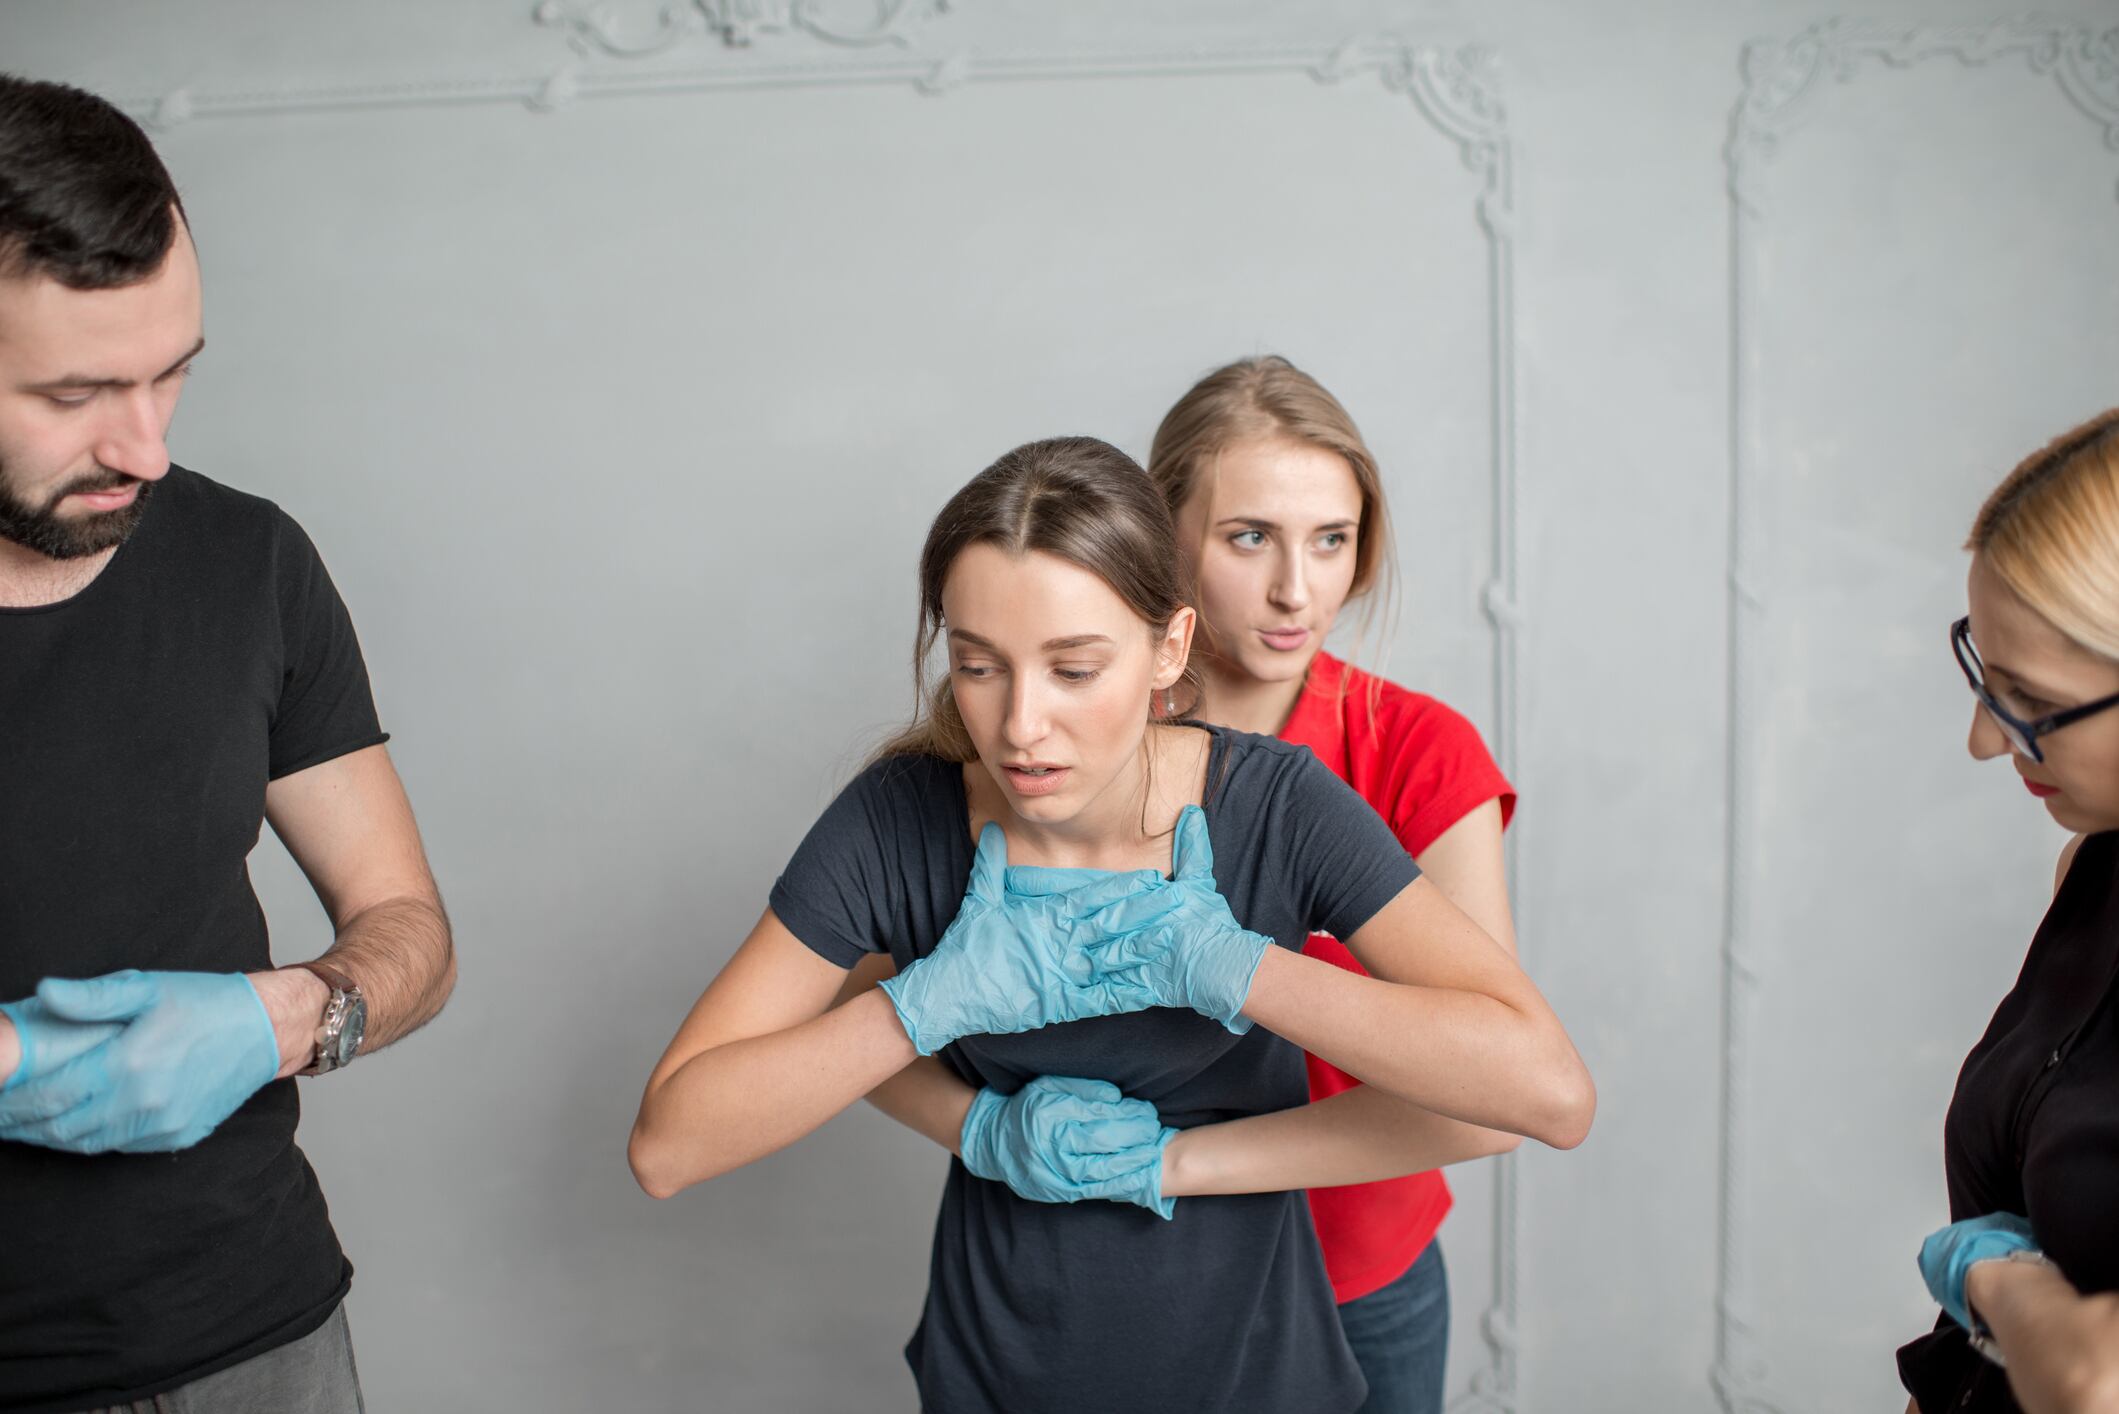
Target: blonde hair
<point x="1268" y="396"/>
<point x="2050" y="531"/>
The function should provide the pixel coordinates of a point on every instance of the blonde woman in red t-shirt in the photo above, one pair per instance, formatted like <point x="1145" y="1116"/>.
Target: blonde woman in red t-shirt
<point x="1278" y="502"/>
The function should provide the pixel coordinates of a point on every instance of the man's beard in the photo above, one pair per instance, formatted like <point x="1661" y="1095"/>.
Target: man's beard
<point x="40" y="528"/>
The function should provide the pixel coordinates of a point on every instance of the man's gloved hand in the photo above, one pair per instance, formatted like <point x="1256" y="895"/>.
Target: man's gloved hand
<point x="1013" y="958"/>
<point x="1950" y="1252"/>
<point x="190" y="1048"/>
<point x="47" y="1042"/>
<point x="1060" y="1140"/>
<point x="1179" y="945"/>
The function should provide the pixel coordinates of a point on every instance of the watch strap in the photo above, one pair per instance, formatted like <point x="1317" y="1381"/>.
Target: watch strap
<point x="344" y="992"/>
<point x="336" y="980"/>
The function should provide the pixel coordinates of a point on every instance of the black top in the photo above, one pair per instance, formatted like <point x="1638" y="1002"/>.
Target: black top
<point x="139" y="723"/>
<point x="1042" y="1308"/>
<point x="2034" y="1126"/>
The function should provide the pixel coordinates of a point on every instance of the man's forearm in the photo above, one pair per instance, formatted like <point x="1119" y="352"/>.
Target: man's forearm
<point x="399" y="952"/>
<point x="402" y="955"/>
<point x="1358" y="1136"/>
<point x="10" y="1048"/>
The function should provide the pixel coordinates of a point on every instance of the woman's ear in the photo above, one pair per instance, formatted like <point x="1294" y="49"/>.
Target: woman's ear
<point x="1175" y="647"/>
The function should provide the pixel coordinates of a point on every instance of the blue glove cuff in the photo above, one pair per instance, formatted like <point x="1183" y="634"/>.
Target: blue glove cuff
<point x="1236" y="1021"/>
<point x="925" y="1043"/>
<point x="1948" y="1254"/>
<point x="1157" y="1202"/>
<point x="973" y="1140"/>
<point x="272" y="1035"/>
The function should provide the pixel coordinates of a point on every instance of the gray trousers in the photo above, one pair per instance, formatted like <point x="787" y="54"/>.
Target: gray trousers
<point x="313" y="1375"/>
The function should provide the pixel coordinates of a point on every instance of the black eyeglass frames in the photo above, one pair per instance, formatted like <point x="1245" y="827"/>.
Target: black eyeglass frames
<point x="2022" y="735"/>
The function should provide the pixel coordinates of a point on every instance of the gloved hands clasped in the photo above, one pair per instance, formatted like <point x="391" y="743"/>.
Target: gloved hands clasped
<point x="1061" y="1140"/>
<point x="1031" y="947"/>
<point x="138" y="1062"/>
<point x="1179" y="945"/>
<point x="1015" y="957"/>
<point x="1948" y="1254"/>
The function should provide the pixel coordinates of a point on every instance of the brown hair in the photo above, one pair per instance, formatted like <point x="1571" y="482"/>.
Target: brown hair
<point x="1076" y="498"/>
<point x="2050" y="530"/>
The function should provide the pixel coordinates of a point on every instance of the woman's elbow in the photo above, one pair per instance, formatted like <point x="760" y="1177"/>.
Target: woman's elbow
<point x="640" y="1158"/>
<point x="650" y="1161"/>
<point x="1570" y="1107"/>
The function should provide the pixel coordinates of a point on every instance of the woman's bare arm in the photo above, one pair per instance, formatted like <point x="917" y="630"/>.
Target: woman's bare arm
<point x="760" y="1062"/>
<point x="1445" y="1020"/>
<point x="926" y="1096"/>
<point x="1362" y="1135"/>
<point x="2062" y="1347"/>
<point x="1466" y="863"/>
<point x="1355" y="1137"/>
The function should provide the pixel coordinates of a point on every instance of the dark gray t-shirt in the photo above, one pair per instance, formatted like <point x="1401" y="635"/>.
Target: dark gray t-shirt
<point x="1036" y="1307"/>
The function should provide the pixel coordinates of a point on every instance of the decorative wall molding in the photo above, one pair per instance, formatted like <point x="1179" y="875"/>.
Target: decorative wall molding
<point x="1784" y="84"/>
<point x="737" y="23"/>
<point x="1784" y="80"/>
<point x="1456" y="90"/>
<point x="1459" y="92"/>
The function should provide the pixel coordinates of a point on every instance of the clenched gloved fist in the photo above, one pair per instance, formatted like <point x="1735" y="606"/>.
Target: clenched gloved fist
<point x="1061" y="1140"/>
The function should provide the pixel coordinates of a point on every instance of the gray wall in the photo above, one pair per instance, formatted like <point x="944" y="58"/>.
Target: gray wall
<point x="618" y="391"/>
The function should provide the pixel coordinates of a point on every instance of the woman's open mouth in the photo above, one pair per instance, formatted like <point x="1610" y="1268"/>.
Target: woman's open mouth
<point x="1035" y="780"/>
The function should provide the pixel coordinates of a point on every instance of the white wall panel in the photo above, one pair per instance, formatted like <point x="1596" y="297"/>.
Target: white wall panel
<point x="619" y="390"/>
<point x="1929" y="268"/>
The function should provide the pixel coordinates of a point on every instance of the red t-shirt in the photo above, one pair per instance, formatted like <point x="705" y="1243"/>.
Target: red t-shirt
<point x="1424" y="768"/>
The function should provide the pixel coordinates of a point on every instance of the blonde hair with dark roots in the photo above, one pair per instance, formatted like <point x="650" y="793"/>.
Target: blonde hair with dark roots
<point x="1076" y="498"/>
<point x="2050" y="531"/>
<point x="1268" y="396"/>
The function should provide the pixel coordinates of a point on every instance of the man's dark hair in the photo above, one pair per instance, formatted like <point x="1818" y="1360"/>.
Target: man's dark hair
<point x="83" y="197"/>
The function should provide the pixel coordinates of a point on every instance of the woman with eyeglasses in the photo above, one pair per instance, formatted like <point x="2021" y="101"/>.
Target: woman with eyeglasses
<point x="2027" y="1273"/>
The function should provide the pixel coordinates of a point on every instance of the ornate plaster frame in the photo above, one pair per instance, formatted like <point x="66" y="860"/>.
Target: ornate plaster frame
<point x="1455" y="88"/>
<point x="1783" y="83"/>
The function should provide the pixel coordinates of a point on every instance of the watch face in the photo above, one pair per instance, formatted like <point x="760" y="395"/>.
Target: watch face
<point x="349" y="1036"/>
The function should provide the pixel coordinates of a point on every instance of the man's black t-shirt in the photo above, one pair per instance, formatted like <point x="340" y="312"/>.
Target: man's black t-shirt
<point x="139" y="723"/>
<point x="1047" y="1308"/>
<point x="2034" y="1126"/>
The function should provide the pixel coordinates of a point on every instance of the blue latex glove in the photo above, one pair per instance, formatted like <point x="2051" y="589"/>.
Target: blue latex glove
<point x="191" y="1047"/>
<point x="1061" y="1140"/>
<point x="1180" y="946"/>
<point x="1950" y="1252"/>
<point x="1013" y="959"/>
<point x="47" y="1041"/>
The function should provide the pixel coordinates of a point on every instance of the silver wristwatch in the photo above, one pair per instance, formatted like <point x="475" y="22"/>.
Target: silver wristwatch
<point x="1981" y="1338"/>
<point x="345" y="1023"/>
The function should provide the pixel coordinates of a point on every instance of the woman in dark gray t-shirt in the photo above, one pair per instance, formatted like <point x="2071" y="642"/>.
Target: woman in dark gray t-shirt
<point x="1055" y="578"/>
